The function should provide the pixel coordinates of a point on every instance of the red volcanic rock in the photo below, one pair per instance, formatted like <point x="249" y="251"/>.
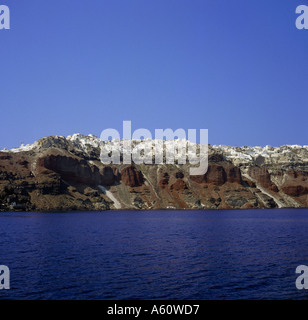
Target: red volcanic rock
<point x="300" y="175"/>
<point x="132" y="177"/>
<point x="274" y="188"/>
<point x="263" y="178"/>
<point x="233" y="174"/>
<point x="218" y="175"/>
<point x="163" y="182"/>
<point x="58" y="175"/>
<point x="295" y="191"/>
<point x="71" y="169"/>
<point x="178" y="185"/>
<point x="215" y="175"/>
<point x="198" y="179"/>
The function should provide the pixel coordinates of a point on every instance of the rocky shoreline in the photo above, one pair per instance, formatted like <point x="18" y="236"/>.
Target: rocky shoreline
<point x="66" y="174"/>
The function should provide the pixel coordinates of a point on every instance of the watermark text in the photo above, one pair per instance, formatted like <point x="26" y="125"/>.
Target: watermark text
<point x="4" y="17"/>
<point x="4" y="277"/>
<point x="302" y="280"/>
<point x="302" y="20"/>
<point x="168" y="146"/>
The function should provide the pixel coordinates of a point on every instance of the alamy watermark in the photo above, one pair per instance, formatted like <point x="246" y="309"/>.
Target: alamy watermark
<point x="4" y="17"/>
<point x="168" y="146"/>
<point x="302" y="20"/>
<point x="302" y="280"/>
<point x="4" y="277"/>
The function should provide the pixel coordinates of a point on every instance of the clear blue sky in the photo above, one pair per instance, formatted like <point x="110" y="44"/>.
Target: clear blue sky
<point x="236" y="67"/>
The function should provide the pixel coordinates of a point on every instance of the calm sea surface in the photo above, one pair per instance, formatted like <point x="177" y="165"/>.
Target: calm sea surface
<point x="237" y="254"/>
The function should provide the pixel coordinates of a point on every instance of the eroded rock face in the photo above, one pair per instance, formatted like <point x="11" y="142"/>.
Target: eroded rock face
<point x="215" y="174"/>
<point x="66" y="174"/>
<point x="164" y="180"/>
<point x="233" y="174"/>
<point x="71" y="169"/>
<point x="220" y="174"/>
<point x="178" y="185"/>
<point x="132" y="177"/>
<point x="295" y="191"/>
<point x="262" y="176"/>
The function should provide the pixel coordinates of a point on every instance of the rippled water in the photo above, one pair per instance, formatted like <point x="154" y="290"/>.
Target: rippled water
<point x="237" y="254"/>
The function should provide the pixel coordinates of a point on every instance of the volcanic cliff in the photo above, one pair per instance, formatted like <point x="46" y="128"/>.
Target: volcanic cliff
<point x="65" y="173"/>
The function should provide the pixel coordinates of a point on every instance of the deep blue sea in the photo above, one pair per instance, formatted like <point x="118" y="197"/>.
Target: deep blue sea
<point x="217" y="254"/>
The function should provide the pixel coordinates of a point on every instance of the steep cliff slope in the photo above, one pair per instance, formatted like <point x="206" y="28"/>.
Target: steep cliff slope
<point x="58" y="173"/>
